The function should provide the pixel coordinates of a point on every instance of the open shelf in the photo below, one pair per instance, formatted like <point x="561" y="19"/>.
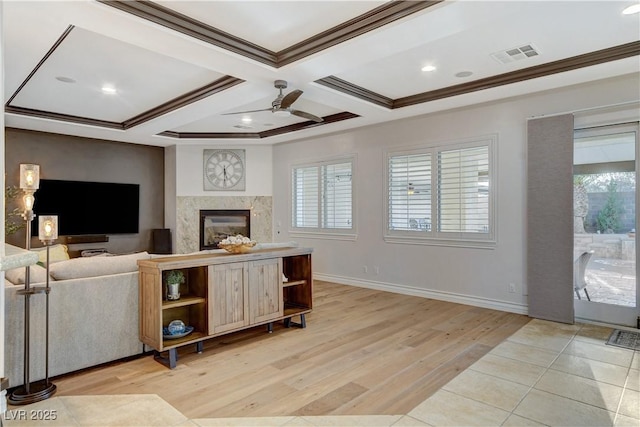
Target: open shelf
<point x="292" y="311"/>
<point x="183" y="301"/>
<point x="195" y="336"/>
<point x="293" y="283"/>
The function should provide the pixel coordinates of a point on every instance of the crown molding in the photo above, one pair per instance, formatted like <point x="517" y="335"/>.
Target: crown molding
<point x="575" y="62"/>
<point x="219" y="85"/>
<point x="333" y="118"/>
<point x="183" y="24"/>
<point x="375" y="18"/>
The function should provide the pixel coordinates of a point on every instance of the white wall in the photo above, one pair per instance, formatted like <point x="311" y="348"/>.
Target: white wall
<point x="189" y="163"/>
<point x="184" y="165"/>
<point x="475" y="276"/>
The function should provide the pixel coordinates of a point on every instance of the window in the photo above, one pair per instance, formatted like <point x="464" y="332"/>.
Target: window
<point x="322" y="197"/>
<point x="441" y="194"/>
<point x="410" y="192"/>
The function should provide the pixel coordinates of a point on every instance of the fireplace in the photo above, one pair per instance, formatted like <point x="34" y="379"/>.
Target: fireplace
<point x="216" y="225"/>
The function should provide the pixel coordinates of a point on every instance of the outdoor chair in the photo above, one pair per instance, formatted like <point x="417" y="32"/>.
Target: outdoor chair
<point x="579" y="270"/>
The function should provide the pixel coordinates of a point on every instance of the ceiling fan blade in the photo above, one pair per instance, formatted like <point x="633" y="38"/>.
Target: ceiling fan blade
<point x="307" y="115"/>
<point x="247" y="112"/>
<point x="290" y="98"/>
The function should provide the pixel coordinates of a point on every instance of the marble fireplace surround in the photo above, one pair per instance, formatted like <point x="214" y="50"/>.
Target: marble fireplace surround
<point x="188" y="217"/>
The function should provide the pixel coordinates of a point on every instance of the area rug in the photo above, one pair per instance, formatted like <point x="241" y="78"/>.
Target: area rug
<point x="625" y="339"/>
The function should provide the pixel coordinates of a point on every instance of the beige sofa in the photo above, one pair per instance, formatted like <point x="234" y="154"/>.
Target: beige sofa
<point x="93" y="316"/>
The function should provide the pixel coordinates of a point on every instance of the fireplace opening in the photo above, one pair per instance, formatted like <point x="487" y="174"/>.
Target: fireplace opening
<point x="216" y="225"/>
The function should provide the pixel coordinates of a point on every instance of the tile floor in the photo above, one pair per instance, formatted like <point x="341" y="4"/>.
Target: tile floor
<point x="545" y="374"/>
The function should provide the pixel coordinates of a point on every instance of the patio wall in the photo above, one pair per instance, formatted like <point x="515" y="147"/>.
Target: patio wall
<point x="615" y="246"/>
<point x="597" y="202"/>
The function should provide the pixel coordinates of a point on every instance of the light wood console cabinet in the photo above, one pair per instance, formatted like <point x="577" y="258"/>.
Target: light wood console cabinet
<point x="223" y="293"/>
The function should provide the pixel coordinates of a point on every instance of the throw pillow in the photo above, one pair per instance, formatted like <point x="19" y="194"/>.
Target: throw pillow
<point x="96" y="266"/>
<point x="37" y="274"/>
<point x="57" y="253"/>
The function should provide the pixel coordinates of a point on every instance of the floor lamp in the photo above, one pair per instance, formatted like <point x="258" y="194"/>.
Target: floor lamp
<point x="39" y="390"/>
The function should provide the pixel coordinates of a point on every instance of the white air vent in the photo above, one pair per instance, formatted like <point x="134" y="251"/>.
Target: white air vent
<point x="515" y="54"/>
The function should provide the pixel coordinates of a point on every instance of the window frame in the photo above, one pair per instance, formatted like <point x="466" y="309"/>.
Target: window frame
<point x="321" y="232"/>
<point x="434" y="236"/>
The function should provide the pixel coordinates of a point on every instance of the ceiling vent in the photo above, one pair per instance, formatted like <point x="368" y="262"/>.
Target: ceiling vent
<point x="243" y="127"/>
<point x="516" y="54"/>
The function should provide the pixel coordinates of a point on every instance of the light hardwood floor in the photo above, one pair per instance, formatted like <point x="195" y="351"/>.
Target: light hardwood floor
<point x="363" y="352"/>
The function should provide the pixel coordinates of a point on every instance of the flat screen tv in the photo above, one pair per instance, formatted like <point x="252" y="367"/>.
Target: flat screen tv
<point x="86" y="208"/>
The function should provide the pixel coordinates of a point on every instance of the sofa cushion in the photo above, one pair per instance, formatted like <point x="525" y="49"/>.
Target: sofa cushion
<point x="96" y="266"/>
<point x="57" y="253"/>
<point x="37" y="274"/>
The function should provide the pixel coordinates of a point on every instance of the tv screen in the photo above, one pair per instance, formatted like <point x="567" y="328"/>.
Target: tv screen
<point x="89" y="207"/>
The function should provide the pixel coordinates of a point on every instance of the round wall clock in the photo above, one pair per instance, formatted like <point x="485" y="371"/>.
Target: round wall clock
<point x="224" y="170"/>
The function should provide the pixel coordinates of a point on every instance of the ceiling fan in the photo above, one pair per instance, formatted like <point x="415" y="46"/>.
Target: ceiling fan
<point x="281" y="106"/>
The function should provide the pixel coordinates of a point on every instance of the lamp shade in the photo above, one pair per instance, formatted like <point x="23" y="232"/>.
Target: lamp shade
<point x="29" y="177"/>
<point x="48" y="227"/>
<point x="28" y="200"/>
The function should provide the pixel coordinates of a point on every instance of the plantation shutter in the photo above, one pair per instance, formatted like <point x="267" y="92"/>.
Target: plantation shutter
<point x="305" y="197"/>
<point x="463" y="190"/>
<point x="410" y="192"/>
<point x="337" y="196"/>
<point x="322" y="196"/>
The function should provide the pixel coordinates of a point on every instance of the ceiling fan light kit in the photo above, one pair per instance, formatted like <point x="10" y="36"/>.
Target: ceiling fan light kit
<point x="281" y="106"/>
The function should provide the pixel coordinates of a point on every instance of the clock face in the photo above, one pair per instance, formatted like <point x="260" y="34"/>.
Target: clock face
<point x="224" y="170"/>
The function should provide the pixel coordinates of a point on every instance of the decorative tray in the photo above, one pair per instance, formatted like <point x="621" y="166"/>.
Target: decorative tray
<point x="167" y="336"/>
<point x="237" y="248"/>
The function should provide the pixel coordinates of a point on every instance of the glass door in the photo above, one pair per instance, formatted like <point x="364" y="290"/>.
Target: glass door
<point x="605" y="222"/>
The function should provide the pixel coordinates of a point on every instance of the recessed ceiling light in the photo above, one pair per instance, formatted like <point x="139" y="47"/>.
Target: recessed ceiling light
<point x="109" y="90"/>
<point x="632" y="9"/>
<point x="247" y="119"/>
<point x="64" y="79"/>
<point x="462" y="74"/>
<point x="428" y="68"/>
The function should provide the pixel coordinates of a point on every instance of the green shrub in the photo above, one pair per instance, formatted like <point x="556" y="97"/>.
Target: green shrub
<point x="608" y="219"/>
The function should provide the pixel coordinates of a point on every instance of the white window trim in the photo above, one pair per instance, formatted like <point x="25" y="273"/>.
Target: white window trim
<point x="326" y="233"/>
<point x="433" y="238"/>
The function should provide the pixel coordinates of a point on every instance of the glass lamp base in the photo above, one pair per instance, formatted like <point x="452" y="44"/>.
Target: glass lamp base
<point x="38" y="390"/>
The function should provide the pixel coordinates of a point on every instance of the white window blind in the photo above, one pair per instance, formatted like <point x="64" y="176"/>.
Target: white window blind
<point x="336" y="196"/>
<point x="305" y="197"/>
<point x="410" y="192"/>
<point x="322" y="196"/>
<point x="442" y="194"/>
<point x="463" y="190"/>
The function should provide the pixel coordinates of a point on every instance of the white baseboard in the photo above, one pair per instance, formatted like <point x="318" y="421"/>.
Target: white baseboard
<point x="426" y="293"/>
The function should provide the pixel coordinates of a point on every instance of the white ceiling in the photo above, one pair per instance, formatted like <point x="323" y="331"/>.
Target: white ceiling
<point x="150" y="64"/>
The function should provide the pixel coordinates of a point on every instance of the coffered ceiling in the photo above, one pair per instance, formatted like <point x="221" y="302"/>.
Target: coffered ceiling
<point x="171" y="72"/>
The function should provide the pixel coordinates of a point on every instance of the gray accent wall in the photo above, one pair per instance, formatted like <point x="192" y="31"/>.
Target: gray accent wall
<point x="84" y="159"/>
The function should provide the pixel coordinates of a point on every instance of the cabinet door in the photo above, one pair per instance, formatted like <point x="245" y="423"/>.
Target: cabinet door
<point x="265" y="290"/>
<point x="228" y="303"/>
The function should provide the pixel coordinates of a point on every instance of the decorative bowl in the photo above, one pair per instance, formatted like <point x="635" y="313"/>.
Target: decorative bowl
<point x="237" y="248"/>
<point x="176" y="327"/>
<point x="169" y="336"/>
